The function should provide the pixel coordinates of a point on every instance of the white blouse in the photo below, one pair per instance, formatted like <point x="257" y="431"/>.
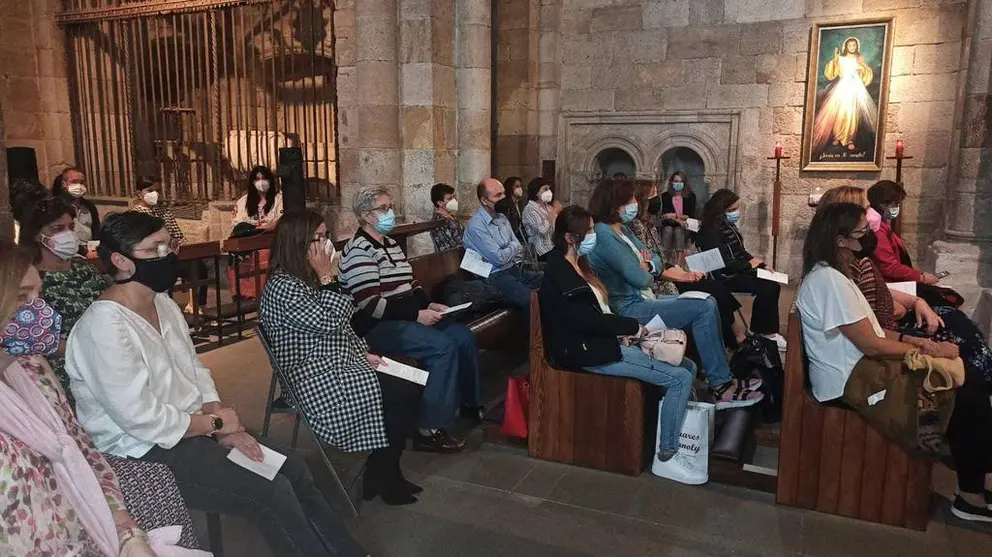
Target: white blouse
<point x="265" y="214"/>
<point x="135" y="388"/>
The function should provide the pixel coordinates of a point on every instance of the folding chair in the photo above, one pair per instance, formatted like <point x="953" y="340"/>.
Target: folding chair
<point x="279" y="406"/>
<point x="287" y="386"/>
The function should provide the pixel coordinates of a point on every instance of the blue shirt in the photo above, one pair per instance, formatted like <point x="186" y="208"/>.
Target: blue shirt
<point x="492" y="236"/>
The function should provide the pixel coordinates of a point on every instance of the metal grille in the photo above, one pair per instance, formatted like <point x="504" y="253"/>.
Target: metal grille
<point x="201" y="93"/>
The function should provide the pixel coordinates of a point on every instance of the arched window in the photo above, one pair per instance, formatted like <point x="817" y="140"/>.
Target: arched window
<point x="688" y="162"/>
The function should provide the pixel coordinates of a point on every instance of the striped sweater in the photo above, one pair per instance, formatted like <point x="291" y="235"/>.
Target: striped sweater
<point x="380" y="279"/>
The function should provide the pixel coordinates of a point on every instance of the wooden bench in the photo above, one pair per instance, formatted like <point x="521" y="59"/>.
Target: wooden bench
<point x="831" y="461"/>
<point x="585" y="419"/>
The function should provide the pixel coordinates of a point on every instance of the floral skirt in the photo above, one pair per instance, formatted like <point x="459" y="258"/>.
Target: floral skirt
<point x="961" y="331"/>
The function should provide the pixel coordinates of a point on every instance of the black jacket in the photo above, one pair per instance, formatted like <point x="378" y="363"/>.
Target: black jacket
<point x="728" y="239"/>
<point x="577" y="333"/>
<point x="688" y="205"/>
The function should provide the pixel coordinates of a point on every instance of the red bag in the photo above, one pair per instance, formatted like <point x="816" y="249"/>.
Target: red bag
<point x="515" y="408"/>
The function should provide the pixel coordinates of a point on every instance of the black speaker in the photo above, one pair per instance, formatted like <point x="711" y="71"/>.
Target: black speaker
<point x="294" y="184"/>
<point x="22" y="164"/>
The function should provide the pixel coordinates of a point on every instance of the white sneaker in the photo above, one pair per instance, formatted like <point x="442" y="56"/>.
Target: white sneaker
<point x="679" y="469"/>
<point x="779" y="341"/>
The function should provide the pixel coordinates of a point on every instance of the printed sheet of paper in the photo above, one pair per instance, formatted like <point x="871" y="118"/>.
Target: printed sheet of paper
<point x="694" y="295"/>
<point x="268" y="468"/>
<point x="473" y="263"/>
<point x="457" y="308"/>
<point x="706" y="262"/>
<point x="656" y="324"/>
<point x="692" y="224"/>
<point x="907" y="287"/>
<point x="403" y="371"/>
<point x="773" y="276"/>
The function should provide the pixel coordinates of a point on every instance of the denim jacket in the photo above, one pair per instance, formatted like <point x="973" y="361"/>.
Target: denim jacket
<point x="620" y="268"/>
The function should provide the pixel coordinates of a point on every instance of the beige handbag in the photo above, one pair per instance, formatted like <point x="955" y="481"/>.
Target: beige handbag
<point x="666" y="345"/>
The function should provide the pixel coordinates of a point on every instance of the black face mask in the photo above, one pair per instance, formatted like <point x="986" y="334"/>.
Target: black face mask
<point x="654" y="205"/>
<point x="868" y="244"/>
<point x="159" y="274"/>
<point x="502" y="206"/>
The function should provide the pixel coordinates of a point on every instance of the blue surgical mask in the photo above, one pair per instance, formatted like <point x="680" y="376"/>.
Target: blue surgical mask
<point x="892" y="212"/>
<point x="733" y="216"/>
<point x="588" y="244"/>
<point x="386" y="222"/>
<point x="629" y="212"/>
<point x="678" y="186"/>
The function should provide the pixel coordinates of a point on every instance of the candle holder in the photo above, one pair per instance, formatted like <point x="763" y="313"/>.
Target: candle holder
<point x="776" y="200"/>
<point x="814" y="196"/>
<point x="900" y="156"/>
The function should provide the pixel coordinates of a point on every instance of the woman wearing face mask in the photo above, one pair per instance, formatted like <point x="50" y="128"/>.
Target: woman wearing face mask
<point x="68" y="283"/>
<point x="261" y="206"/>
<point x="71" y="186"/>
<point x="677" y="205"/>
<point x="921" y="325"/>
<point x="628" y="269"/>
<point x="142" y="392"/>
<point x="891" y="256"/>
<point x="513" y="206"/>
<point x="74" y="502"/>
<point x="539" y="217"/>
<point x="396" y="317"/>
<point x="449" y="234"/>
<point x="719" y="231"/>
<point x="333" y="375"/>
<point x="843" y="338"/>
<point x="581" y="331"/>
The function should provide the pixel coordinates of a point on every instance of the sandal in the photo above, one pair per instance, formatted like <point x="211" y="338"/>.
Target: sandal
<point x="733" y="394"/>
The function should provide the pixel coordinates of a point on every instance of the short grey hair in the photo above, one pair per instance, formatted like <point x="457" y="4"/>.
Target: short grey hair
<point x="365" y="199"/>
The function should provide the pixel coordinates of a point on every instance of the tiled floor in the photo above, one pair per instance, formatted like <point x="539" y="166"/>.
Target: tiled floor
<point x="492" y="501"/>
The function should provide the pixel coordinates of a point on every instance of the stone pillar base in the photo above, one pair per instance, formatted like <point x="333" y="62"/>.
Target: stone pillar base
<point x="970" y="268"/>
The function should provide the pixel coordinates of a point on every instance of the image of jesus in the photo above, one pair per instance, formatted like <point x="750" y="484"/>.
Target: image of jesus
<point x="847" y="104"/>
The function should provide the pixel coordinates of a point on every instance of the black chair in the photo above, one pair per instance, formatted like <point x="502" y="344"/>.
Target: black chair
<point x="279" y="406"/>
<point x="287" y="386"/>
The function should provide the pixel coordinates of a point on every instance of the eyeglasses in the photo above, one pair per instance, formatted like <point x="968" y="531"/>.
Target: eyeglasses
<point x="858" y="233"/>
<point x="321" y="237"/>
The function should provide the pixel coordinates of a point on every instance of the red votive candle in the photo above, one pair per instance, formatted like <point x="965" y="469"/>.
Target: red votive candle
<point x="899" y="147"/>
<point x="778" y="150"/>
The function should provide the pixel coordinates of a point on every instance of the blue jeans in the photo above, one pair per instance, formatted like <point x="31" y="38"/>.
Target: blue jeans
<point x="515" y="285"/>
<point x="677" y="381"/>
<point x="701" y="316"/>
<point x="449" y="354"/>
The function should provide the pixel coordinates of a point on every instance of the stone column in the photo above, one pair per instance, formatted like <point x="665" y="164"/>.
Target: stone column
<point x="549" y="87"/>
<point x="967" y="251"/>
<point x="473" y="78"/>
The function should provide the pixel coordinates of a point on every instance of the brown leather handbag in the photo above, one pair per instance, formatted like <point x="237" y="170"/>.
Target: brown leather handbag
<point x="909" y="401"/>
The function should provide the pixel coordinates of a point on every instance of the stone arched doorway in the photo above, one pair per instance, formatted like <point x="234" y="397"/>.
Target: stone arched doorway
<point x="613" y="160"/>
<point x="690" y="163"/>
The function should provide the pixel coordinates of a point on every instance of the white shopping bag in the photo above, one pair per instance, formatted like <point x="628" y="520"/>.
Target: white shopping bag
<point x="691" y="465"/>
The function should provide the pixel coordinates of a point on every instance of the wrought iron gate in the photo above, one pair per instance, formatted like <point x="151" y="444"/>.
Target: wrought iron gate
<point x="199" y="91"/>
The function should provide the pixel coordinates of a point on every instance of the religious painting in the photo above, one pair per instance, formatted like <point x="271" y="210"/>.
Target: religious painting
<point x="846" y="95"/>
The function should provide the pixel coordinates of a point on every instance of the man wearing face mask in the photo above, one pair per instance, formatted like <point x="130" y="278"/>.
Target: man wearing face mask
<point x="491" y="235"/>
<point x="401" y="320"/>
<point x="449" y="234"/>
<point x="71" y="186"/>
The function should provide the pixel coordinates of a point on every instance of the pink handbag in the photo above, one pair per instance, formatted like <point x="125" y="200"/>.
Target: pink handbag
<point x="666" y="345"/>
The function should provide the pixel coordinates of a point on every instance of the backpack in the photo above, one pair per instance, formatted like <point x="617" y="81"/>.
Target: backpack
<point x="455" y="290"/>
<point x="758" y="356"/>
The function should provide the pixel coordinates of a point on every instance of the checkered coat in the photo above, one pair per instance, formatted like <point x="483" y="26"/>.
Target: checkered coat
<point x="319" y="353"/>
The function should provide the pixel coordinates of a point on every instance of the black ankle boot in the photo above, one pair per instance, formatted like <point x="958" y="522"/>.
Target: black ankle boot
<point x="413" y="488"/>
<point x="380" y="480"/>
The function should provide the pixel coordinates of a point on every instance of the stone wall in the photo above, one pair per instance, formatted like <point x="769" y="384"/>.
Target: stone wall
<point x="34" y="87"/>
<point x="750" y="57"/>
<point x="517" y="79"/>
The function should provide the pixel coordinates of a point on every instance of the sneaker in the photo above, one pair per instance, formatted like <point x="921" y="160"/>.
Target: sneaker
<point x="439" y="441"/>
<point x="779" y="341"/>
<point x="966" y="511"/>
<point x="679" y="469"/>
<point x="734" y="395"/>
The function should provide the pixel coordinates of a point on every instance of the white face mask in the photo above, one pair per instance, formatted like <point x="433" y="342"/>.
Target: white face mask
<point x="451" y="205"/>
<point x="519" y="192"/>
<point x="151" y="198"/>
<point x="63" y="244"/>
<point x="262" y="185"/>
<point x="76" y="190"/>
<point x="547" y="196"/>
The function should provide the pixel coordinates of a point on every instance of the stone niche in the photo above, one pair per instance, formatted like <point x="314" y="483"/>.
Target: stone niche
<point x="646" y="137"/>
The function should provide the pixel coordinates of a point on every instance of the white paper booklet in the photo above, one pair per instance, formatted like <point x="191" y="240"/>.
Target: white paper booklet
<point x="692" y="224"/>
<point x="694" y="295"/>
<point x="459" y="307"/>
<point x="773" y="276"/>
<point x="656" y="324"/>
<point x="907" y="287"/>
<point x="473" y="263"/>
<point x="706" y="262"/>
<point x="403" y="371"/>
<point x="268" y="468"/>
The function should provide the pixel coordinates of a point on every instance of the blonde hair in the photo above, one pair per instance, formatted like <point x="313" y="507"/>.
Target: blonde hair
<point x="14" y="263"/>
<point x="842" y="194"/>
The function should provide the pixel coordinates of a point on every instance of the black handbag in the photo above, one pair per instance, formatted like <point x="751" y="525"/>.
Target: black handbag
<point x="758" y="356"/>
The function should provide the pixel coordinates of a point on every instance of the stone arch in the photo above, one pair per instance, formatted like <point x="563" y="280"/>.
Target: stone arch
<point x="591" y="163"/>
<point x="705" y="146"/>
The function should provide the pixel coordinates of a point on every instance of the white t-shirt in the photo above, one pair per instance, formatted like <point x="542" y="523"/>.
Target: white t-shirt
<point x="826" y="301"/>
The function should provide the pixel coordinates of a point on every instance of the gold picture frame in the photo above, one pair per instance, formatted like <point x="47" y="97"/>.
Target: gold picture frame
<point x="847" y="95"/>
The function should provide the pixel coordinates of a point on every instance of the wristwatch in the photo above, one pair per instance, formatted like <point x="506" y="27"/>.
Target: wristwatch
<point x="218" y="422"/>
<point x="129" y="534"/>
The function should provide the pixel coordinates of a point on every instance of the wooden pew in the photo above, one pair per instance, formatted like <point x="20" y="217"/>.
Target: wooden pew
<point x="585" y="419"/>
<point x="831" y="461"/>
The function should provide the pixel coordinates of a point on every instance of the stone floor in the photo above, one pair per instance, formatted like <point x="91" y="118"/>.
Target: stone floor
<point x="491" y="501"/>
